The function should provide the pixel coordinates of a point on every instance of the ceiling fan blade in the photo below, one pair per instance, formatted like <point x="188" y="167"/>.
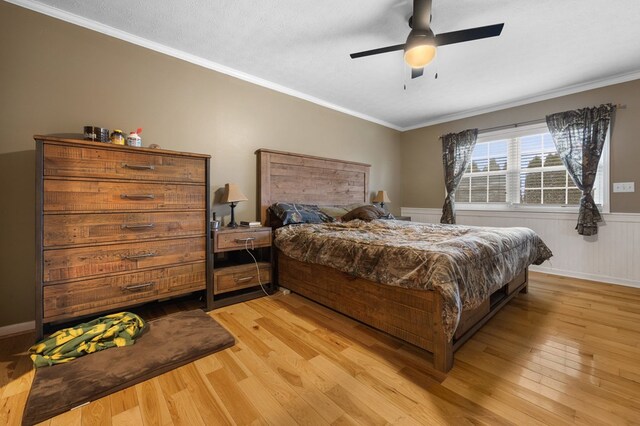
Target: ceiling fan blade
<point x="421" y="14"/>
<point x="416" y="72"/>
<point x="468" y="35"/>
<point x="377" y="51"/>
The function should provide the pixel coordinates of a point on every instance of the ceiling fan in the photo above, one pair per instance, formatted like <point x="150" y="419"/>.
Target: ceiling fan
<point x="420" y="47"/>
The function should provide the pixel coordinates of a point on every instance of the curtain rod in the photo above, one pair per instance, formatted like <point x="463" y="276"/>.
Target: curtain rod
<point x="527" y="123"/>
<point x="511" y="126"/>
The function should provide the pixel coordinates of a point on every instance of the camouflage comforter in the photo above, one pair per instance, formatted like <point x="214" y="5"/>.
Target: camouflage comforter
<point x="465" y="264"/>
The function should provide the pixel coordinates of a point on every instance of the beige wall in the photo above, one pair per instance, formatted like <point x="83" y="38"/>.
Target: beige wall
<point x="56" y="78"/>
<point x="422" y="176"/>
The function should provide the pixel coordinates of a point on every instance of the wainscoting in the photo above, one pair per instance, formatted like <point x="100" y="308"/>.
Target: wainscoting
<point x="612" y="256"/>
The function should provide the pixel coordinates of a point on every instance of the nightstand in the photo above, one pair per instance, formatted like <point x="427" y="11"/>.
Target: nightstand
<point x="235" y="276"/>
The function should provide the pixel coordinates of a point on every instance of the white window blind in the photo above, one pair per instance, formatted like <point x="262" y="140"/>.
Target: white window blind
<point x="520" y="168"/>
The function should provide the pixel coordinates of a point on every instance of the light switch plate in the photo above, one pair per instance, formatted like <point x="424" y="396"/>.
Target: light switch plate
<point x="624" y="187"/>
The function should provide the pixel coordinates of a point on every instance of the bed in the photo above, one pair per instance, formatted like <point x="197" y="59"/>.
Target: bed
<point x="415" y="315"/>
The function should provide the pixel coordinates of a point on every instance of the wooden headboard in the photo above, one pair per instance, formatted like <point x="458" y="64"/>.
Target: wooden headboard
<point x="299" y="178"/>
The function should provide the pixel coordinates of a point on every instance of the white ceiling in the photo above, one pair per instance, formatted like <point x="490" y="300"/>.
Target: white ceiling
<point x="547" y="48"/>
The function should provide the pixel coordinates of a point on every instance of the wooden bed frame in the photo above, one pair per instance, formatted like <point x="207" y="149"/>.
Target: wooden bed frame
<point x="414" y="316"/>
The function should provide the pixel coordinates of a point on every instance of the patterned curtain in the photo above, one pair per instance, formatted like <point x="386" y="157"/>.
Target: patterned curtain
<point x="579" y="136"/>
<point x="456" y="152"/>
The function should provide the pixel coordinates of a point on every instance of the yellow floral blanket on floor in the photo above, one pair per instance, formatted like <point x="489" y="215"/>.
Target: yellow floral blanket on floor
<point x="65" y="345"/>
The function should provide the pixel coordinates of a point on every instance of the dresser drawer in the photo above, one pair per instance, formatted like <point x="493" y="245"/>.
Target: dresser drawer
<point x="102" y="294"/>
<point x="74" y="263"/>
<point x="226" y="241"/>
<point x="232" y="278"/>
<point x="90" y="196"/>
<point x="120" y="163"/>
<point x="91" y="228"/>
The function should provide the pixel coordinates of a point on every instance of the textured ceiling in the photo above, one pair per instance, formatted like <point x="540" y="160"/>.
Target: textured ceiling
<point x="547" y="47"/>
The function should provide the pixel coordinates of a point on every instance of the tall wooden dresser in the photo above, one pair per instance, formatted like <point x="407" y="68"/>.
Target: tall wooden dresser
<point x="117" y="226"/>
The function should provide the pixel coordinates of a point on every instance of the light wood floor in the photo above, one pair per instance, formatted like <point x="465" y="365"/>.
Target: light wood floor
<point x="567" y="352"/>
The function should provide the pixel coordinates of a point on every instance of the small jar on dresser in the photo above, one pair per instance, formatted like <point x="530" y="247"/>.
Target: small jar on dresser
<point x="117" y="226"/>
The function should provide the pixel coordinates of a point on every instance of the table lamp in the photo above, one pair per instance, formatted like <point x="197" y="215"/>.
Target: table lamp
<point x="233" y="196"/>
<point x="381" y="197"/>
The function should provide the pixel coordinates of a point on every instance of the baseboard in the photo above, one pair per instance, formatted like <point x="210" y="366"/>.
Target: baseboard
<point x="23" y="327"/>
<point x="588" y="277"/>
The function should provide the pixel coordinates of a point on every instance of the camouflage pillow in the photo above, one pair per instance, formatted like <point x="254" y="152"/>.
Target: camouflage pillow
<point x="291" y="213"/>
<point x="366" y="213"/>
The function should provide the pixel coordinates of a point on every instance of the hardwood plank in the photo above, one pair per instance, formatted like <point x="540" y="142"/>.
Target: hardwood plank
<point x="11" y="408"/>
<point x="153" y="406"/>
<point x="97" y="413"/>
<point x="123" y="400"/>
<point x="183" y="410"/>
<point x="130" y="417"/>
<point x="70" y="418"/>
<point x="239" y="406"/>
<point x="203" y="396"/>
<point x="266" y="404"/>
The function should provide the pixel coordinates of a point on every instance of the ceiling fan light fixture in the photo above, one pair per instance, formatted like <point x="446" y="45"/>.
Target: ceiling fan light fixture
<point x="420" y="49"/>
<point x="420" y="56"/>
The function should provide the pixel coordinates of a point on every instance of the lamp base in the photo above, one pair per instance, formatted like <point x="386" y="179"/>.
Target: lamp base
<point x="232" y="222"/>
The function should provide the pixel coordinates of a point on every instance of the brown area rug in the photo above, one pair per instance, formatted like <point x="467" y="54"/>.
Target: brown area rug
<point x="168" y="343"/>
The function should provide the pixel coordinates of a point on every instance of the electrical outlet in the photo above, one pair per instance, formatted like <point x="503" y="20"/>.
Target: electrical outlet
<point x="624" y="187"/>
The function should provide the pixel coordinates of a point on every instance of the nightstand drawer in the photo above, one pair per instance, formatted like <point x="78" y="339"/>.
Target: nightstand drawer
<point x="239" y="240"/>
<point x="232" y="278"/>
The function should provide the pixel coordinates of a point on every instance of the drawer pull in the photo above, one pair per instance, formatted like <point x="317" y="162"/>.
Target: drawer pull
<point x="139" y="166"/>
<point x="139" y="286"/>
<point x="139" y="226"/>
<point x="243" y="279"/>
<point x="139" y="256"/>
<point x="245" y="240"/>
<point x="138" y="196"/>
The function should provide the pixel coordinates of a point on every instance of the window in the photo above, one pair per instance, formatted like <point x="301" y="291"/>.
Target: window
<point x="520" y="168"/>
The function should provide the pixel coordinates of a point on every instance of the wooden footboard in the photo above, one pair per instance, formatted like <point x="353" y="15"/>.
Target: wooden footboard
<point x="414" y="316"/>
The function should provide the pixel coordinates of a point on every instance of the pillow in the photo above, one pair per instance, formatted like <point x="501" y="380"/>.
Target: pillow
<point x="366" y="213"/>
<point x="352" y="206"/>
<point x="335" y="212"/>
<point x="291" y="213"/>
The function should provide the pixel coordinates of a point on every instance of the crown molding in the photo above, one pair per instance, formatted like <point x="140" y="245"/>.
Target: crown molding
<point x="179" y="54"/>
<point x="551" y="94"/>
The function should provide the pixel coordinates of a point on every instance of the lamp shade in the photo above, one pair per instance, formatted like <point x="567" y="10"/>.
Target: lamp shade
<point x="232" y="194"/>
<point x="381" y="197"/>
